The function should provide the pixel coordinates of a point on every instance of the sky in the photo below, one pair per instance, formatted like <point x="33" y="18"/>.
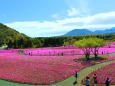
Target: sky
<point x="47" y="18"/>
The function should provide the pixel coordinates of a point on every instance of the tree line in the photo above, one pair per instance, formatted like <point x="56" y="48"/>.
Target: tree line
<point x="14" y="39"/>
<point x="27" y="42"/>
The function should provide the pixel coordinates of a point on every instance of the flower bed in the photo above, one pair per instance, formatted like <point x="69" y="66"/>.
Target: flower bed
<point x="35" y="69"/>
<point x="104" y="72"/>
<point x="38" y="69"/>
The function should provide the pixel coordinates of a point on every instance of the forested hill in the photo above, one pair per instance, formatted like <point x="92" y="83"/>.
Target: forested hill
<point x="12" y="38"/>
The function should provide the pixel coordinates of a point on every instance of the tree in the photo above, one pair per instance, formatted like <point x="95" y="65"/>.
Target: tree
<point x="96" y="43"/>
<point x="66" y="43"/>
<point x="88" y="45"/>
<point x="84" y="44"/>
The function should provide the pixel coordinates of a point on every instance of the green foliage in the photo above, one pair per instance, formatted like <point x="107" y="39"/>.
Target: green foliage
<point x="11" y="37"/>
<point x="66" y="43"/>
<point x="90" y="44"/>
<point x="69" y="41"/>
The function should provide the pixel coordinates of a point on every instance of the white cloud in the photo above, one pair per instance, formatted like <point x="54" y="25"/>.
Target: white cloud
<point x="78" y="8"/>
<point x="73" y="12"/>
<point x="103" y="18"/>
<point x="38" y="29"/>
<point x="60" y="27"/>
<point x="56" y="16"/>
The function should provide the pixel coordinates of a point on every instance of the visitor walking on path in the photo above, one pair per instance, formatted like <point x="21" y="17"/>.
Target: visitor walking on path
<point x="95" y="79"/>
<point x="107" y="82"/>
<point x="87" y="81"/>
<point x="76" y="75"/>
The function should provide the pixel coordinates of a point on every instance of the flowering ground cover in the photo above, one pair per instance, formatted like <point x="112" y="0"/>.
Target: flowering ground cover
<point x="36" y="69"/>
<point x="102" y="73"/>
<point x="59" y="51"/>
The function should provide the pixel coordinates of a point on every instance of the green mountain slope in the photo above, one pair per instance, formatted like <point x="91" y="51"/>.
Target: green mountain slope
<point x="12" y="38"/>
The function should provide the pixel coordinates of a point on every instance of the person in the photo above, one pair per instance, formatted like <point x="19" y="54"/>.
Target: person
<point x="107" y="82"/>
<point x="87" y="81"/>
<point x="107" y="52"/>
<point x="76" y="75"/>
<point x="102" y="52"/>
<point x="95" y="79"/>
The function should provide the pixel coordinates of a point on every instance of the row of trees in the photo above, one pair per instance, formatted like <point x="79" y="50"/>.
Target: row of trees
<point x="27" y="42"/>
<point x="14" y="39"/>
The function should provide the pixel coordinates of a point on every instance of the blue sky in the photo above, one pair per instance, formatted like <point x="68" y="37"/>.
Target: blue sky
<point x="45" y="18"/>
